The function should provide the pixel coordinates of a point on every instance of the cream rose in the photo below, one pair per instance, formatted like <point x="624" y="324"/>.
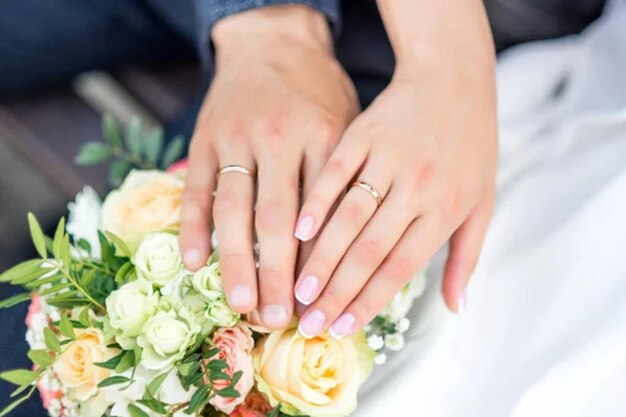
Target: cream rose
<point x="147" y="202"/>
<point x="318" y="377"/>
<point x="208" y="282"/>
<point x="158" y="258"/>
<point x="76" y="367"/>
<point x="129" y="308"/>
<point x="220" y="314"/>
<point x="165" y="338"/>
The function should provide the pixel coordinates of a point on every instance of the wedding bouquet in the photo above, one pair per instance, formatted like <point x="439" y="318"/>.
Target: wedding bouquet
<point x="118" y="327"/>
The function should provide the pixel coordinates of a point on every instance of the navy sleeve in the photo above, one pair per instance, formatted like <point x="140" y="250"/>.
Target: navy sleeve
<point x="210" y="11"/>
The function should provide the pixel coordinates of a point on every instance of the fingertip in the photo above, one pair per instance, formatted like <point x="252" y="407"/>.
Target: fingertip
<point x="242" y="298"/>
<point x="305" y="228"/>
<point x="276" y="316"/>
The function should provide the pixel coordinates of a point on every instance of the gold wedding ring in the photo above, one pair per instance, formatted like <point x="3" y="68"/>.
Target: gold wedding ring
<point x="370" y="189"/>
<point x="236" y="168"/>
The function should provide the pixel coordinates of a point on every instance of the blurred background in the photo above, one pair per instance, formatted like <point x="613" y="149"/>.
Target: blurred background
<point x="160" y="80"/>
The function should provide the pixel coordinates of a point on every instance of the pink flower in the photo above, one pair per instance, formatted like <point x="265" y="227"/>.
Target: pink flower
<point x="235" y="344"/>
<point x="243" y="411"/>
<point x="178" y="167"/>
<point x="33" y="308"/>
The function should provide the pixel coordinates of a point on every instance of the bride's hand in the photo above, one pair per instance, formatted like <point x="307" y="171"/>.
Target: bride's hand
<point x="278" y="104"/>
<point x="427" y="145"/>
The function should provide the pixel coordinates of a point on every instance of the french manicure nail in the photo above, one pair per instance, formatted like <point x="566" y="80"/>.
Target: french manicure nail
<point x="312" y="324"/>
<point x="275" y="315"/>
<point x="343" y="326"/>
<point x="307" y="289"/>
<point x="191" y="257"/>
<point x="240" y="296"/>
<point x="304" y="228"/>
<point x="462" y="306"/>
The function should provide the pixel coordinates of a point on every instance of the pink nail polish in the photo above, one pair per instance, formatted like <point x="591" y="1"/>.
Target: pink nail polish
<point x="191" y="257"/>
<point x="240" y="296"/>
<point x="312" y="324"/>
<point x="343" y="326"/>
<point x="305" y="228"/>
<point x="307" y="289"/>
<point x="462" y="306"/>
<point x="275" y="316"/>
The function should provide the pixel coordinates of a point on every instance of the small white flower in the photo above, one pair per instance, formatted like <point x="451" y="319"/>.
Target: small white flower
<point x="380" y="359"/>
<point x="158" y="258"/>
<point x="403" y="325"/>
<point x="394" y="342"/>
<point x="375" y="342"/>
<point x="84" y="219"/>
<point x="208" y="282"/>
<point x="220" y="314"/>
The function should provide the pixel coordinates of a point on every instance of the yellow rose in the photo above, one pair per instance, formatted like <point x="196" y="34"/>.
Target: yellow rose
<point x="317" y="377"/>
<point x="147" y="202"/>
<point x="76" y="365"/>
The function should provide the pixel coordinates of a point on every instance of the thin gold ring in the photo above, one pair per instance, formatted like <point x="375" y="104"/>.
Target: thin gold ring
<point x="371" y="190"/>
<point x="236" y="168"/>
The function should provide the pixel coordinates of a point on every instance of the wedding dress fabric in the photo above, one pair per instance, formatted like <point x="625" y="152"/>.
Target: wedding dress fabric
<point x="544" y="333"/>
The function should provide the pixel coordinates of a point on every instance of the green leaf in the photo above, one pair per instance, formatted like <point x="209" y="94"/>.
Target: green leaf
<point x="84" y="318"/>
<point x="111" y="363"/>
<point x="113" y="380"/>
<point x="123" y="272"/>
<point x="136" y="411"/>
<point x="119" y="170"/>
<point x="111" y="131"/>
<point x="57" y="243"/>
<point x="275" y="412"/>
<point x="217" y="365"/>
<point x="41" y="357"/>
<point x="228" y="393"/>
<point x="14" y="300"/>
<point x="126" y="362"/>
<point x="37" y="235"/>
<point x="236" y="378"/>
<point x="56" y="288"/>
<point x="210" y="353"/>
<point x="13" y="405"/>
<point x="51" y="339"/>
<point x="137" y="354"/>
<point x="154" y="385"/>
<point x="173" y="152"/>
<point x="87" y="278"/>
<point x="133" y="136"/>
<point x="66" y="328"/>
<point x="19" y="270"/>
<point x="121" y="245"/>
<point x="21" y="389"/>
<point x="218" y="375"/>
<point x="84" y="245"/>
<point x="153" y="145"/>
<point x="19" y="376"/>
<point x="154" y="405"/>
<point x="198" y="399"/>
<point x="92" y="153"/>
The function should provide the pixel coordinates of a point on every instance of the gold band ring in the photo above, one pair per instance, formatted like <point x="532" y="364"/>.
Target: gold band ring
<point x="370" y="189"/>
<point x="236" y="168"/>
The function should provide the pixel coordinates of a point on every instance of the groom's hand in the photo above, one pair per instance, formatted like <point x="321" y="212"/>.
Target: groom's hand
<point x="278" y="104"/>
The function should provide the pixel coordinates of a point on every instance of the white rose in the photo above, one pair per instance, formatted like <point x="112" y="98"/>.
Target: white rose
<point x="178" y="288"/>
<point x="129" y="308"/>
<point x="147" y="202"/>
<point x="220" y="314"/>
<point x="197" y="306"/>
<point x="165" y="338"/>
<point x="84" y="219"/>
<point x="158" y="258"/>
<point x="208" y="282"/>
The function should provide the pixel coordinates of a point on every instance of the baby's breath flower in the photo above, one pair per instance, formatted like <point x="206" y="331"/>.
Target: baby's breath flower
<point x="403" y="325"/>
<point x="380" y="359"/>
<point x="394" y="342"/>
<point x="375" y="342"/>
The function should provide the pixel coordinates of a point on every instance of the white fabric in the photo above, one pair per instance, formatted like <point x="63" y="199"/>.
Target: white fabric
<point x="545" y="329"/>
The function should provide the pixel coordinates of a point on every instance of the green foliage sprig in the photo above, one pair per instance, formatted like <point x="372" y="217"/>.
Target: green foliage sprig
<point x="135" y="149"/>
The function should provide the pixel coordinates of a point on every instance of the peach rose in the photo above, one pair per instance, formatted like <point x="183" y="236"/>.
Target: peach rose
<point x="179" y="168"/>
<point x="236" y="345"/>
<point x="76" y="367"/>
<point x="317" y="377"/>
<point x="243" y="411"/>
<point x="147" y="202"/>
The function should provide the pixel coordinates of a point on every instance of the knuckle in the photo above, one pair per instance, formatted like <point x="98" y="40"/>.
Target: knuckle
<point x="353" y="213"/>
<point x="332" y="302"/>
<point x="400" y="269"/>
<point x="366" y="307"/>
<point x="272" y="276"/>
<point x="423" y="175"/>
<point x="226" y="203"/>
<point x="230" y="260"/>
<point x="270" y="215"/>
<point x="368" y="251"/>
<point x="335" y="167"/>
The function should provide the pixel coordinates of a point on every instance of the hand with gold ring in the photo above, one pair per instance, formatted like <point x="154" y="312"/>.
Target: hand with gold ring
<point x="277" y="106"/>
<point x="425" y="152"/>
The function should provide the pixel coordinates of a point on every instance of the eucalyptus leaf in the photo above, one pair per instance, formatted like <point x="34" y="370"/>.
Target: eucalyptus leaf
<point x="154" y="385"/>
<point x="66" y="328"/>
<point x="14" y="300"/>
<point x="173" y="152"/>
<point x="134" y="131"/>
<point x="121" y="245"/>
<point x="40" y="357"/>
<point x="126" y="362"/>
<point x="19" y="376"/>
<point x="57" y="243"/>
<point x="136" y="411"/>
<point x="37" y="235"/>
<point x="113" y="380"/>
<point x="19" y="270"/>
<point x="52" y="340"/>
<point x="111" y="131"/>
<point x="153" y="146"/>
<point x="92" y="153"/>
<point x="119" y="170"/>
<point x="198" y="399"/>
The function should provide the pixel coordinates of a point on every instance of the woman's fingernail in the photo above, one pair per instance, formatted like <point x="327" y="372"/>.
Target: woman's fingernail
<point x="240" y="296"/>
<point x="191" y="257"/>
<point x="343" y="326"/>
<point x="275" y="315"/>
<point x="312" y="324"/>
<point x="304" y="228"/>
<point x="307" y="289"/>
<point x="462" y="307"/>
